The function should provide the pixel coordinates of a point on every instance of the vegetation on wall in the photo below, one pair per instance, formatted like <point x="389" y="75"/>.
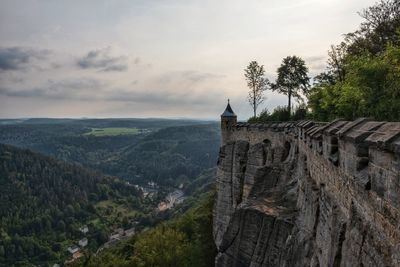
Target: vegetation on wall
<point x="281" y="114"/>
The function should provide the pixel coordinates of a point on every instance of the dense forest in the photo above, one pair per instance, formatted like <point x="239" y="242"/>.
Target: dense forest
<point x="43" y="202"/>
<point x="170" y="156"/>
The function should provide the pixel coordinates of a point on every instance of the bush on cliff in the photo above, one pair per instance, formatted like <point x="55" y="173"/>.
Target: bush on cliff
<point x="280" y="114"/>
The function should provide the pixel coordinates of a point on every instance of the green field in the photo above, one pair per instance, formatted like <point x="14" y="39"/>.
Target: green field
<point x="112" y="131"/>
<point x="113" y="212"/>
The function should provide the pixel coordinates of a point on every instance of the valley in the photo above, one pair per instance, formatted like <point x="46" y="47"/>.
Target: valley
<point x="112" y="183"/>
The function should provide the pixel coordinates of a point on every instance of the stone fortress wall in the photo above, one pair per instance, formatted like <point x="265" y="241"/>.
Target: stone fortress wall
<point x="308" y="194"/>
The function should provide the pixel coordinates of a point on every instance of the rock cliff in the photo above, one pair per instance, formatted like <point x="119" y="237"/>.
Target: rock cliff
<point x="308" y="194"/>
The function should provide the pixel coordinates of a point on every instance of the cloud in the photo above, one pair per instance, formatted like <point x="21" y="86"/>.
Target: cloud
<point x="198" y="77"/>
<point x="316" y="64"/>
<point x="17" y="58"/>
<point x="187" y="77"/>
<point x="102" y="60"/>
<point x="155" y="94"/>
<point x="158" y="98"/>
<point x="313" y="59"/>
<point x="83" y="89"/>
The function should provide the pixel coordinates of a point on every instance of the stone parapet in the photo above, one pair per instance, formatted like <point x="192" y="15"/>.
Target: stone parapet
<point x="346" y="175"/>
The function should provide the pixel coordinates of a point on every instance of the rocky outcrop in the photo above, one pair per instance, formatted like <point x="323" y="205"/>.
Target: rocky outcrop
<point x="308" y="194"/>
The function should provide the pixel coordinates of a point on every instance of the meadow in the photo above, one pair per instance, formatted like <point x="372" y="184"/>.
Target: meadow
<point x="112" y="131"/>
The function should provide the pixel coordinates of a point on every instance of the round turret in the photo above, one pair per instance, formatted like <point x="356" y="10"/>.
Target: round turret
<point x="228" y="120"/>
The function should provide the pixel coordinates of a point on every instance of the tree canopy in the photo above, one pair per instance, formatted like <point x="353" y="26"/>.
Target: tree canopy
<point x="292" y="78"/>
<point x="362" y="75"/>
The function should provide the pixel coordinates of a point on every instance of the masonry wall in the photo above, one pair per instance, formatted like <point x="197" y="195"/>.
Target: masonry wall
<point x="309" y="194"/>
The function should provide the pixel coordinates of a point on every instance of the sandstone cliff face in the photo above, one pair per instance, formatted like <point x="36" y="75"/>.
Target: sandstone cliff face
<point x="309" y="194"/>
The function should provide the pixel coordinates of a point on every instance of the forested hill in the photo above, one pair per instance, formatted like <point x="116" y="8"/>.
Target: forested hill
<point x="169" y="156"/>
<point x="43" y="202"/>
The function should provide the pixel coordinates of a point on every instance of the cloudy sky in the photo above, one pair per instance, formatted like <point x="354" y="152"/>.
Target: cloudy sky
<point x="158" y="58"/>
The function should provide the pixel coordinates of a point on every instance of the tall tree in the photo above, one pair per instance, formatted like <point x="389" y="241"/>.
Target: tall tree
<point x="336" y="61"/>
<point x="257" y="83"/>
<point x="292" y="78"/>
<point x="380" y="27"/>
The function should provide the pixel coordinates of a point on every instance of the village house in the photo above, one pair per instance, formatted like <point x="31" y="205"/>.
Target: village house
<point x="73" y="249"/>
<point x="83" y="242"/>
<point x="162" y="206"/>
<point x="76" y="255"/>
<point x="84" y="229"/>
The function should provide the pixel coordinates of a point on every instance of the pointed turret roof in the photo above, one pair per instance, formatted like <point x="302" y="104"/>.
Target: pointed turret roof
<point x="228" y="111"/>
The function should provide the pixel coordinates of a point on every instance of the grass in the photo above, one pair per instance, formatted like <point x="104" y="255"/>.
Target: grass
<point x="112" y="131"/>
<point x="95" y="222"/>
<point x="109" y="210"/>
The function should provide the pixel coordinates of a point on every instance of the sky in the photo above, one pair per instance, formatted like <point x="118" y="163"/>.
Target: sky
<point x="156" y="58"/>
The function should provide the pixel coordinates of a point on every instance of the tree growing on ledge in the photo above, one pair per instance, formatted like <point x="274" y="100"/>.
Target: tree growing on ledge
<point x="292" y="78"/>
<point x="257" y="83"/>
